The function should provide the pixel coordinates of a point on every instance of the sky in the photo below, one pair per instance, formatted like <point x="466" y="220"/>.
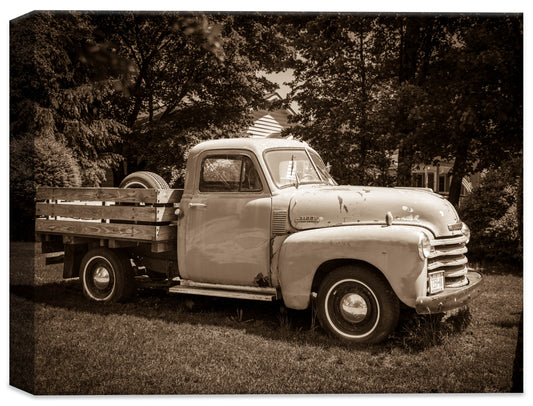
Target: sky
<point x="280" y="78"/>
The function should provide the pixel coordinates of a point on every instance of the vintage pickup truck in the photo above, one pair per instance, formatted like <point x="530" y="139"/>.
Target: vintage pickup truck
<point x="262" y="219"/>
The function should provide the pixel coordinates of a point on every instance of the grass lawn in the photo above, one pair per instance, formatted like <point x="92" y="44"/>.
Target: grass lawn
<point x="173" y="344"/>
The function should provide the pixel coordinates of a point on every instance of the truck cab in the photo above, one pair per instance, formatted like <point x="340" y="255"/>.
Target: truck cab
<point x="266" y="212"/>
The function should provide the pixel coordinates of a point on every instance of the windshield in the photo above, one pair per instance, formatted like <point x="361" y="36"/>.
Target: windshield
<point x="322" y="169"/>
<point x="292" y="167"/>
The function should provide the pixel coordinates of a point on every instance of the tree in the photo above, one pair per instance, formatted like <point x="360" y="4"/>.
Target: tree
<point x="341" y="92"/>
<point x="462" y="93"/>
<point x="56" y="92"/>
<point x="195" y="77"/>
<point x="420" y="37"/>
<point x="36" y="161"/>
<point x="430" y="86"/>
<point x="494" y="214"/>
<point x="485" y="96"/>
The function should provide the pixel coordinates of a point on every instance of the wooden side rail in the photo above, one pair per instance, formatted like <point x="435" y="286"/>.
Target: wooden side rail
<point x="110" y="194"/>
<point x="114" y="231"/>
<point x="149" y="214"/>
<point x="113" y="214"/>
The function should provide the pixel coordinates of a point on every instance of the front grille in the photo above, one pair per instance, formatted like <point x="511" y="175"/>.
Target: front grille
<point x="448" y="256"/>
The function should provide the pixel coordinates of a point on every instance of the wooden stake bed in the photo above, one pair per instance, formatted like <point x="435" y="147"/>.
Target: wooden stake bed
<point x="135" y="215"/>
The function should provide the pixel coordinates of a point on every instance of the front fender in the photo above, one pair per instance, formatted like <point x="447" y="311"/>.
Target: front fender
<point x="393" y="250"/>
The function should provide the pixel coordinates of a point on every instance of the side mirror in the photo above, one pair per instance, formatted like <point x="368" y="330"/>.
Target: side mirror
<point x="328" y="168"/>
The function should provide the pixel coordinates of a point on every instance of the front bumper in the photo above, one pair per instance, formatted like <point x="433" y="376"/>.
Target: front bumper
<point x="450" y="298"/>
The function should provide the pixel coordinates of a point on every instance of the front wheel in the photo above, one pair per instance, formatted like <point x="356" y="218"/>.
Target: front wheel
<point x="357" y="305"/>
<point x="106" y="275"/>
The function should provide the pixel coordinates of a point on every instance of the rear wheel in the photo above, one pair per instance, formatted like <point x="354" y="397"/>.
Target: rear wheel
<point x="357" y="304"/>
<point x="106" y="275"/>
<point x="144" y="180"/>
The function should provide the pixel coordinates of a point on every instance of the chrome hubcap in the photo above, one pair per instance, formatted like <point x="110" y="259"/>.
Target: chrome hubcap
<point x="101" y="277"/>
<point x="353" y="308"/>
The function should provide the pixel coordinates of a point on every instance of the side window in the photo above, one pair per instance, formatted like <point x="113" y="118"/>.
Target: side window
<point x="229" y="173"/>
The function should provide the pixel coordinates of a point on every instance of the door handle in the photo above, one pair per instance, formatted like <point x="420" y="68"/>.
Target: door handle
<point x="191" y="205"/>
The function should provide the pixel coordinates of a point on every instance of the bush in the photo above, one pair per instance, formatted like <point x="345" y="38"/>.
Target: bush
<point x="40" y="161"/>
<point x="493" y="213"/>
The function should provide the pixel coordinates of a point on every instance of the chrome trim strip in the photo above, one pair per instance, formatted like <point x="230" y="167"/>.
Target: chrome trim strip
<point x="448" y="251"/>
<point x="455" y="227"/>
<point x="456" y="284"/>
<point x="447" y="263"/>
<point x="460" y="239"/>
<point x="457" y="273"/>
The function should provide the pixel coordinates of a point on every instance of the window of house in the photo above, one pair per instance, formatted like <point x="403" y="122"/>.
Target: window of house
<point x="431" y="181"/>
<point x="418" y="180"/>
<point x="442" y="183"/>
<point x="229" y="173"/>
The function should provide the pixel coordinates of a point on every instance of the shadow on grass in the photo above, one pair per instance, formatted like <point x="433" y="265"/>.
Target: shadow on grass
<point x="266" y="319"/>
<point x="494" y="268"/>
<point x="507" y="323"/>
<point x="416" y="333"/>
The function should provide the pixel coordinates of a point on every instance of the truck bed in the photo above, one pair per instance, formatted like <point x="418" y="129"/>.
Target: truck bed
<point x="113" y="214"/>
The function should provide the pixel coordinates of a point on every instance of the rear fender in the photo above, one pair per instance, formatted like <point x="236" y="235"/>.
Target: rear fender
<point x="392" y="250"/>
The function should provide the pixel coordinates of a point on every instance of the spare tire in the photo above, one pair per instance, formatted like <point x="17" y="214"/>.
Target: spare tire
<point x="143" y="180"/>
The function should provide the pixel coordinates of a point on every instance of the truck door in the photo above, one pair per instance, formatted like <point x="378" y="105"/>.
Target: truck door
<point x="227" y="221"/>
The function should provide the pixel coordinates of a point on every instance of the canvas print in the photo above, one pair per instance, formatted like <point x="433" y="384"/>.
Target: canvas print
<point x="266" y="203"/>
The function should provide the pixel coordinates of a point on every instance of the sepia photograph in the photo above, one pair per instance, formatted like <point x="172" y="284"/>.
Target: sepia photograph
<point x="266" y="203"/>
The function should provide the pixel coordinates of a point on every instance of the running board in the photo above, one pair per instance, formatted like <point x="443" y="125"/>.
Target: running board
<point x="229" y="291"/>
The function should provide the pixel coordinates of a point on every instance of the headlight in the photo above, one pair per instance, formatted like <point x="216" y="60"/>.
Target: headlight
<point x="466" y="232"/>
<point x="424" y="246"/>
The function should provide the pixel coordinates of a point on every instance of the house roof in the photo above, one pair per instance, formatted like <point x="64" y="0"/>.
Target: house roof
<point x="269" y="122"/>
<point x="266" y="124"/>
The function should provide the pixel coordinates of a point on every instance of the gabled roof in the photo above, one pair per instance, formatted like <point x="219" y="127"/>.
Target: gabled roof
<point x="269" y="122"/>
<point x="265" y="126"/>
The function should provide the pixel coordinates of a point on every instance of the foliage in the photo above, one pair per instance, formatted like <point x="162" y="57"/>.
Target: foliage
<point x="493" y="215"/>
<point x="195" y="77"/>
<point x="40" y="161"/>
<point x="54" y="165"/>
<point x="89" y="79"/>
<point x="342" y="95"/>
<point x="56" y="93"/>
<point x="481" y="86"/>
<point x="143" y="87"/>
<point x="432" y="87"/>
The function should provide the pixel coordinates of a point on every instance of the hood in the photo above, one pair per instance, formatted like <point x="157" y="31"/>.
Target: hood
<point x="327" y="206"/>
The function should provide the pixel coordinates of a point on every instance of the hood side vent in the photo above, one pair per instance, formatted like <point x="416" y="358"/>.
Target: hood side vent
<point x="279" y="222"/>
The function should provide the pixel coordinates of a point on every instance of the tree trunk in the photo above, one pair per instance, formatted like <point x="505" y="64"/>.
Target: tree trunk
<point x="404" y="165"/>
<point x="136" y="110"/>
<point x="363" y="145"/>
<point x="150" y="106"/>
<point x="410" y="43"/>
<point x="409" y="48"/>
<point x="458" y="172"/>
